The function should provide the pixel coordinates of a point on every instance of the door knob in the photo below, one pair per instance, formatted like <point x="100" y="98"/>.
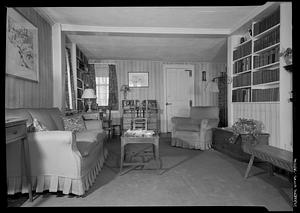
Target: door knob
<point x="168" y="103"/>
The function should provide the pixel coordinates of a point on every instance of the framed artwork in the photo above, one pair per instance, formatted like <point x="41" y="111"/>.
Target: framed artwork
<point x="21" y="47"/>
<point x="138" y="79"/>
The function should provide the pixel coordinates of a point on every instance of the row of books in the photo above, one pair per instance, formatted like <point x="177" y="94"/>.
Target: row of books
<point x="242" y="50"/>
<point x="262" y="95"/>
<point x="242" y="80"/>
<point x="267" y="22"/>
<point x="265" y="76"/>
<point x="241" y="95"/>
<point x="268" y="40"/>
<point x="242" y="65"/>
<point x="267" y="57"/>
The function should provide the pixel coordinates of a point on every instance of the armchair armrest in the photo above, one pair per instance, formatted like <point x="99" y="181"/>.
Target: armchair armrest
<point x="209" y="123"/>
<point x="54" y="152"/>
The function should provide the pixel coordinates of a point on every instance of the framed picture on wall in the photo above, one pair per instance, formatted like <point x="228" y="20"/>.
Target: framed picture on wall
<point x="21" y="47"/>
<point x="138" y="79"/>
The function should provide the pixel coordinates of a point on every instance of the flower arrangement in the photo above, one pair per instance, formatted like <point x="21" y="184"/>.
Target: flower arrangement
<point x="125" y="89"/>
<point x="250" y="127"/>
<point x="287" y="56"/>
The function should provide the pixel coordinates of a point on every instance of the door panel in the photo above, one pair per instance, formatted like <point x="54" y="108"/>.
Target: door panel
<point x="179" y="93"/>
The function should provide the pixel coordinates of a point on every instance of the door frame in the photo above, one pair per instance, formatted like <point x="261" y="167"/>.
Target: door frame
<point x="174" y="66"/>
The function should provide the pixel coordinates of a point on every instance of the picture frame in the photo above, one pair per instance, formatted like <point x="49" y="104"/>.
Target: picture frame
<point x="22" y="58"/>
<point x="138" y="79"/>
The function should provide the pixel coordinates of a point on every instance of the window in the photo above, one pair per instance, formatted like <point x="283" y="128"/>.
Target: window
<point x="102" y="90"/>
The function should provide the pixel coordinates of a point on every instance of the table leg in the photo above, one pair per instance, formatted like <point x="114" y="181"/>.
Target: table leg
<point x="249" y="166"/>
<point x="122" y="155"/>
<point x="27" y="167"/>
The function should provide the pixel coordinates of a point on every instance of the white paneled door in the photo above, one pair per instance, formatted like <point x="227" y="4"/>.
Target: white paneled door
<point x="179" y="91"/>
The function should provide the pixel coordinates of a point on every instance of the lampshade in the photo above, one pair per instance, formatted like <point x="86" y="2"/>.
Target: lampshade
<point x="88" y="93"/>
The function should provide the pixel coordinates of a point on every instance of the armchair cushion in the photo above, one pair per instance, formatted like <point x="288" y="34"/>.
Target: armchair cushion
<point x="187" y="127"/>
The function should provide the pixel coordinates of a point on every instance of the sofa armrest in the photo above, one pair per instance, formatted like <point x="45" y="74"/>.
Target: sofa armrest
<point x="54" y="152"/>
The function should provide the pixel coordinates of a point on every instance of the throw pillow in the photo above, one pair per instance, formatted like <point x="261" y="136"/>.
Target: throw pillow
<point x="74" y="123"/>
<point x="38" y="126"/>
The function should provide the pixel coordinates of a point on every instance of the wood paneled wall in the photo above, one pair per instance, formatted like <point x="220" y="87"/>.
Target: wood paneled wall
<point x="24" y="93"/>
<point x="268" y="113"/>
<point x="203" y="97"/>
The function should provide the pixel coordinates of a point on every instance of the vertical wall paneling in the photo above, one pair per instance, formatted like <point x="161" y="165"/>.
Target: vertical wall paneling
<point x="24" y="93"/>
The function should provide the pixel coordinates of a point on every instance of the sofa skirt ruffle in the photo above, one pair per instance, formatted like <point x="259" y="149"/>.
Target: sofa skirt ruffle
<point x="189" y="144"/>
<point x="55" y="183"/>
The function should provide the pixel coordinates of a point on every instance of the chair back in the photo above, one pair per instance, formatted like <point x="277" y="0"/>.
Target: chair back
<point x="200" y="112"/>
<point x="139" y="123"/>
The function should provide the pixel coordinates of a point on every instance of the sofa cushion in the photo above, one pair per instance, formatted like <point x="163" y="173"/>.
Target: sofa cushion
<point x="187" y="127"/>
<point x="43" y="116"/>
<point x="74" y="123"/>
<point x="87" y="140"/>
<point x="56" y="115"/>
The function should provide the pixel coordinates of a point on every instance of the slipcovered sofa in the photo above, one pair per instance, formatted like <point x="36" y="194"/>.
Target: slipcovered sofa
<point x="195" y="131"/>
<point x="60" y="160"/>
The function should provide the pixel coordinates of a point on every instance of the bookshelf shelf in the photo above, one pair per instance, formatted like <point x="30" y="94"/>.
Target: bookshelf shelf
<point x="242" y="44"/>
<point x="241" y="87"/>
<point x="266" y="66"/>
<point x="242" y="58"/>
<point x="265" y="32"/>
<point x="239" y="73"/>
<point x="265" y="49"/>
<point x="266" y="85"/>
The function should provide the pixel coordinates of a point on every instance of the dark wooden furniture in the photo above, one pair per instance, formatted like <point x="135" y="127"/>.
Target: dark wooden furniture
<point x="220" y="142"/>
<point x="15" y="130"/>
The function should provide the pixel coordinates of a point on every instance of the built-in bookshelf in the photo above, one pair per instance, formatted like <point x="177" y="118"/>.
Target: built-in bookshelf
<point x="255" y="62"/>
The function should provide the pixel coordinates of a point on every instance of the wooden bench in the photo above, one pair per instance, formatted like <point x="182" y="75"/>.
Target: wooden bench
<point x="277" y="157"/>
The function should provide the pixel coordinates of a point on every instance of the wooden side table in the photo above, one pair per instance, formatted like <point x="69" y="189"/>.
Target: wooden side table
<point x="140" y="140"/>
<point x="15" y="130"/>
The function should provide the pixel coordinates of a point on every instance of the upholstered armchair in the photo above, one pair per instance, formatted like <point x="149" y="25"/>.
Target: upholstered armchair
<point x="195" y="131"/>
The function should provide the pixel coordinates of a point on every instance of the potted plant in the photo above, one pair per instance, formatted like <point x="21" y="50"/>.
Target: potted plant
<point x="248" y="129"/>
<point x="287" y="56"/>
<point x="125" y="89"/>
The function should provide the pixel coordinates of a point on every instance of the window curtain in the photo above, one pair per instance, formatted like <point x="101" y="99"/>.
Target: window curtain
<point x="113" y="101"/>
<point x="69" y="83"/>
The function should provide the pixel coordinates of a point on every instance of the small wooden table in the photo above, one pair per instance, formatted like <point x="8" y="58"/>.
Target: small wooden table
<point x="15" y="129"/>
<point x="140" y="140"/>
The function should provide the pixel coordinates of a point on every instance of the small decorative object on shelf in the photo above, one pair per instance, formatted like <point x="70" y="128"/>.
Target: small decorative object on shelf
<point x="287" y="56"/>
<point x="250" y="127"/>
<point x="125" y="89"/>
<point x="242" y="40"/>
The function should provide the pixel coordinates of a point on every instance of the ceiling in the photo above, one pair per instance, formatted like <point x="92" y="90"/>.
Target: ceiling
<point x="150" y="33"/>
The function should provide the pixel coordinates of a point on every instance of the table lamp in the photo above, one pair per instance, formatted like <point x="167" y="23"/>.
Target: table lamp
<point x="89" y="94"/>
